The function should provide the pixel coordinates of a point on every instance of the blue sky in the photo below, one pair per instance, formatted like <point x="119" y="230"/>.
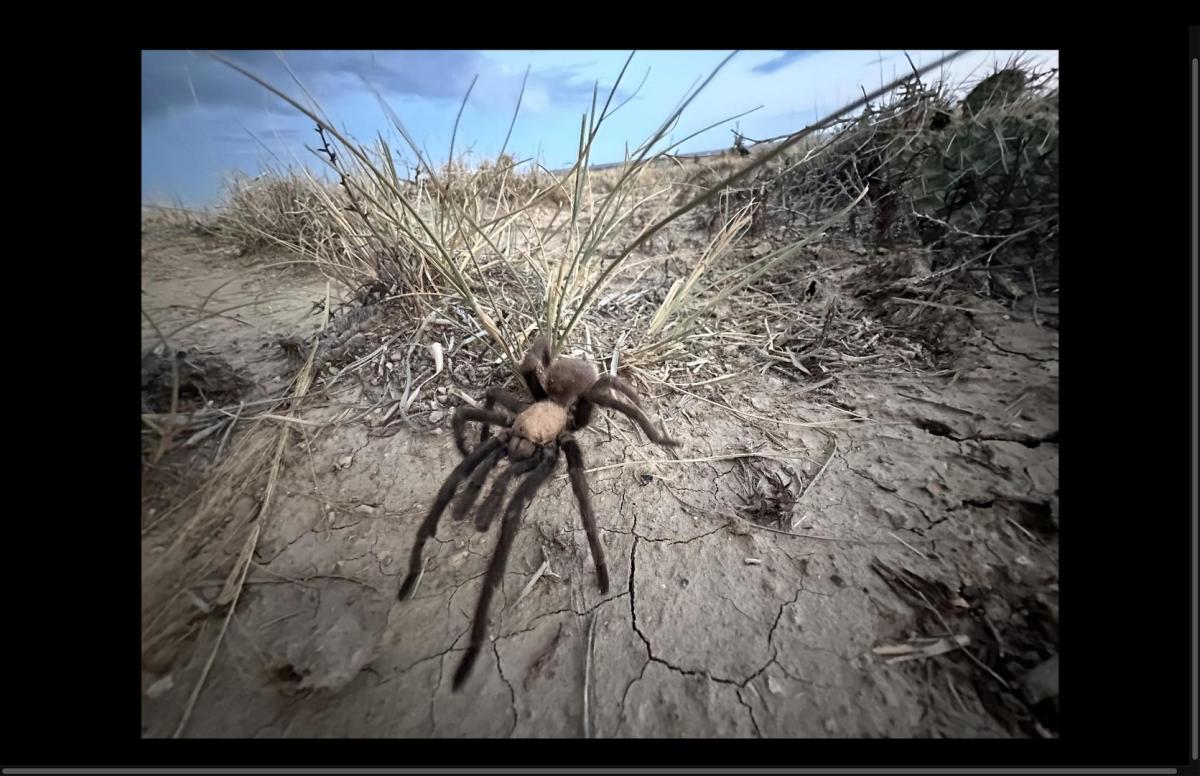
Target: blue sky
<point x="201" y="120"/>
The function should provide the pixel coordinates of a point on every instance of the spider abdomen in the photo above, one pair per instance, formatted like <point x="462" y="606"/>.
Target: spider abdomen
<point x="540" y="423"/>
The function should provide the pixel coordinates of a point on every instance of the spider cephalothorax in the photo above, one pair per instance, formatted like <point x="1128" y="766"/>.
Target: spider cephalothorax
<point x="565" y="391"/>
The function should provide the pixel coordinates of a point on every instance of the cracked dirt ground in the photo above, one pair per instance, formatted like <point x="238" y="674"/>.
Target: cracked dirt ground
<point x="713" y="626"/>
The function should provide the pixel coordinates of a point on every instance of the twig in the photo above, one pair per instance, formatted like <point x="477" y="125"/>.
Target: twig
<point x="909" y="546"/>
<point x="228" y="430"/>
<point x="281" y="618"/>
<point x="1025" y="531"/>
<point x="821" y="471"/>
<point x="212" y="656"/>
<point x="587" y="677"/>
<point x="420" y="576"/>
<point x="532" y="580"/>
<point x="817" y="537"/>
<point x="966" y="651"/>
<point x="954" y="691"/>
<point x="289" y="419"/>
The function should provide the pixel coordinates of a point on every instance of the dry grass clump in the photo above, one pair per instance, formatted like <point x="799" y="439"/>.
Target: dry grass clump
<point x="474" y="261"/>
<point x="518" y="253"/>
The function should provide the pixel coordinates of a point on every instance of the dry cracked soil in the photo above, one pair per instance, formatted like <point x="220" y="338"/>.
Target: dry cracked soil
<point x="715" y="624"/>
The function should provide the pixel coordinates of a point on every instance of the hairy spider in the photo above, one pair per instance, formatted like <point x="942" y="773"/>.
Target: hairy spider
<point x="532" y="434"/>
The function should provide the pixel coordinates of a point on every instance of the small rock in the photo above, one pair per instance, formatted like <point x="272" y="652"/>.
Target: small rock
<point x="365" y="509"/>
<point x="753" y="561"/>
<point x="160" y="687"/>
<point x="896" y="519"/>
<point x="344" y="461"/>
<point x="1022" y="560"/>
<point x="436" y="416"/>
<point x="773" y="686"/>
<point x="830" y="726"/>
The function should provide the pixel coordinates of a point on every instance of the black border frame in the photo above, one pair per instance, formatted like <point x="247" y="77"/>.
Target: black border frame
<point x="1129" y="663"/>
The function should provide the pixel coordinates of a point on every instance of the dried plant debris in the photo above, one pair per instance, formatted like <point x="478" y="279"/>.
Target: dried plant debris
<point x="920" y="649"/>
<point x="768" y="491"/>
<point x="202" y="378"/>
<point x="347" y="335"/>
<point x="1009" y="636"/>
<point x="915" y="590"/>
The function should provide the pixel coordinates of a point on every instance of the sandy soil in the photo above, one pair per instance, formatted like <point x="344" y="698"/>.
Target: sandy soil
<point x="714" y="625"/>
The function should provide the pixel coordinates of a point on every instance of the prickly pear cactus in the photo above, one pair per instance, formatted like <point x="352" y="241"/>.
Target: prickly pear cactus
<point x="996" y="90"/>
<point x="988" y="172"/>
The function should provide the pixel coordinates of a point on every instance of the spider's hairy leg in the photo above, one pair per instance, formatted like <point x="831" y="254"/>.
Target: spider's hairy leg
<point x="491" y="504"/>
<point x="579" y="484"/>
<point x="607" y="381"/>
<point x="495" y="573"/>
<point x="581" y="416"/>
<point x="633" y="411"/>
<point x="465" y="413"/>
<point x="537" y="357"/>
<point x="507" y="400"/>
<point x="470" y="492"/>
<point x="429" y="525"/>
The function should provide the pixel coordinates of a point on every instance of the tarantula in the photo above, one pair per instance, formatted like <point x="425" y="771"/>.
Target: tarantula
<point x="565" y="391"/>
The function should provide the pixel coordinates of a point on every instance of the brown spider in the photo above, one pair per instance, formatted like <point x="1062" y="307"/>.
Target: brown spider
<point x="565" y="391"/>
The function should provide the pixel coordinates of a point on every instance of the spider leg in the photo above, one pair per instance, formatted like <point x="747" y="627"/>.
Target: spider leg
<point x="583" y="496"/>
<point x="470" y="491"/>
<point x="429" y="525"/>
<point x="613" y="381"/>
<point x="495" y="573"/>
<point x="581" y="416"/>
<point x="633" y="411"/>
<point x="506" y="399"/>
<point x="510" y="401"/>
<point x="491" y="504"/>
<point x="538" y="355"/>
<point x="465" y="413"/>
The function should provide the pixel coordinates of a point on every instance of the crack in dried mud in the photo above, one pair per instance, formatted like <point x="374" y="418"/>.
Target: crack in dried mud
<point x="512" y="695"/>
